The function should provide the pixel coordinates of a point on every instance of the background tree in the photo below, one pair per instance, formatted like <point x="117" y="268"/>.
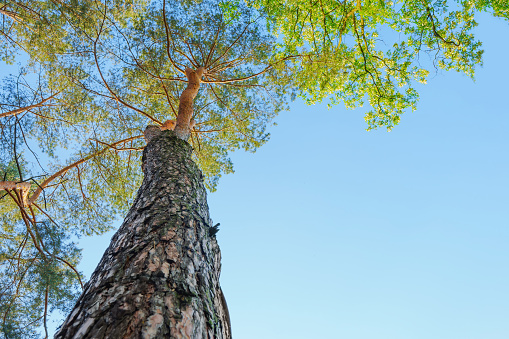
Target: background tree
<point x="373" y="50"/>
<point x="44" y="118"/>
<point x="125" y="67"/>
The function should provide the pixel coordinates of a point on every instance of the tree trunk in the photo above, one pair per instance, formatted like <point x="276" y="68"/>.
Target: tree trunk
<point x="185" y="113"/>
<point x="159" y="278"/>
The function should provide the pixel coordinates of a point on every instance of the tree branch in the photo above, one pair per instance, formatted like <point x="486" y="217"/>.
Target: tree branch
<point x="45" y="183"/>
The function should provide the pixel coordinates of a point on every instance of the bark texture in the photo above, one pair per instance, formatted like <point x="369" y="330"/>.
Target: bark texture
<point x="159" y="278"/>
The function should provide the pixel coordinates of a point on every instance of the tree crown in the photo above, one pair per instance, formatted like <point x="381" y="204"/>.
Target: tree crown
<point x="95" y="74"/>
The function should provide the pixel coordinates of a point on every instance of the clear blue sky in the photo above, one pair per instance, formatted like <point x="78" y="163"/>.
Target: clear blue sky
<point x="373" y="235"/>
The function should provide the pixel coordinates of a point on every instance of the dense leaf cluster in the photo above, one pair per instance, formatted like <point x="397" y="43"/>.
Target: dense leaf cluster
<point x="353" y="51"/>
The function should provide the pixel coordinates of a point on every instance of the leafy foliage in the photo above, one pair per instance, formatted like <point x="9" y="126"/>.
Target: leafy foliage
<point x="37" y="274"/>
<point x="96" y="73"/>
<point x="149" y="53"/>
<point x="353" y="51"/>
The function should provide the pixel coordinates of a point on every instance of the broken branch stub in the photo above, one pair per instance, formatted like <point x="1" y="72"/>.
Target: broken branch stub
<point x="23" y="187"/>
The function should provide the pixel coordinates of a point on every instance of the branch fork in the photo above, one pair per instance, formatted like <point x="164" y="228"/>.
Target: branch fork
<point x="22" y="187"/>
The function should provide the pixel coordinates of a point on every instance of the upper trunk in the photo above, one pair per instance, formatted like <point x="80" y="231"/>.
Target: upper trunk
<point x="185" y="113"/>
<point x="159" y="278"/>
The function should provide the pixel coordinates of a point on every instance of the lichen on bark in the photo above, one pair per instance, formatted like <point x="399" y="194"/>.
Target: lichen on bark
<point x="159" y="278"/>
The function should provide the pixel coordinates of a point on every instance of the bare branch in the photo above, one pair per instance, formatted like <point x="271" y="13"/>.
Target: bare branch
<point x="235" y="80"/>
<point x="46" y="312"/>
<point x="431" y="16"/>
<point x="167" y="29"/>
<point x="45" y="183"/>
<point x="108" y="86"/>
<point x="12" y="15"/>
<point x="119" y="149"/>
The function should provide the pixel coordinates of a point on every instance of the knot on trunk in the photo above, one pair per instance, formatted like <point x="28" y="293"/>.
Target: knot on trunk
<point x="151" y="131"/>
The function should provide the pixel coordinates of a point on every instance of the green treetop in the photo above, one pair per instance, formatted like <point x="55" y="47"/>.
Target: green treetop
<point x="96" y="73"/>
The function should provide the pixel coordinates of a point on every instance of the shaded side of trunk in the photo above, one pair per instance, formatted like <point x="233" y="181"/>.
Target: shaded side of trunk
<point x="159" y="278"/>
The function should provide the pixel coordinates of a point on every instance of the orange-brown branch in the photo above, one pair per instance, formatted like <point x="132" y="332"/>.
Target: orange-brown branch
<point x="185" y="111"/>
<point x="27" y="108"/>
<point x="24" y="187"/>
<point x="64" y="170"/>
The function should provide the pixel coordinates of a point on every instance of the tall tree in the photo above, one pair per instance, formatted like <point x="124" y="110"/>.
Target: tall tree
<point x="160" y="275"/>
<point x="212" y="72"/>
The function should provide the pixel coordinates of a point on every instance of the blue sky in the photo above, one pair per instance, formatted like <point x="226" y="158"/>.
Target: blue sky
<point x="330" y="231"/>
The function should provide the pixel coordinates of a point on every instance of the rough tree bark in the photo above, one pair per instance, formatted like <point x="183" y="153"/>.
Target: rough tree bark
<point x="159" y="278"/>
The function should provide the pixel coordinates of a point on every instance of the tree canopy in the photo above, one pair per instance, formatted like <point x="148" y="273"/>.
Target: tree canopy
<point x="91" y="75"/>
